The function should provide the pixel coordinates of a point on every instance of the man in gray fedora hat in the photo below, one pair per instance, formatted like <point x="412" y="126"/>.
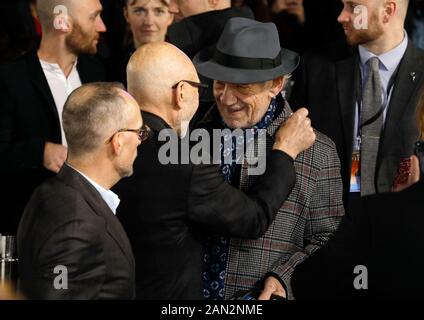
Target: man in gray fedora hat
<point x="250" y="70"/>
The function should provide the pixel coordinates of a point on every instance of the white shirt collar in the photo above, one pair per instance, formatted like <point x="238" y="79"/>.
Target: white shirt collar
<point x="390" y="59"/>
<point x="111" y="199"/>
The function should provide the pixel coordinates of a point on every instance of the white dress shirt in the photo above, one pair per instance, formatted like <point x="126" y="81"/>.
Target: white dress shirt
<point x="60" y="86"/>
<point x="111" y="198"/>
<point x="388" y="64"/>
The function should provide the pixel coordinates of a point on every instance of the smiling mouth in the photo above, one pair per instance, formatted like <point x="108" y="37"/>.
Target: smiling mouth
<point x="234" y="110"/>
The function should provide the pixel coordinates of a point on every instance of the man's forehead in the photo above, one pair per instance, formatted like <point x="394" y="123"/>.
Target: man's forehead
<point x="87" y="6"/>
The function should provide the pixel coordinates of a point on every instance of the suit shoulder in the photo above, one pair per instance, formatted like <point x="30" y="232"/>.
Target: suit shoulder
<point x="57" y="201"/>
<point x="322" y="154"/>
<point x="14" y="68"/>
<point x="324" y="142"/>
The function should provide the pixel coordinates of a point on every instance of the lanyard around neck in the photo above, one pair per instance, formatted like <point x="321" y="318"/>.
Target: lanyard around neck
<point x="358" y="90"/>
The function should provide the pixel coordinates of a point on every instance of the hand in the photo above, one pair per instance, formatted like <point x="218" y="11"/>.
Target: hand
<point x="54" y="156"/>
<point x="272" y="287"/>
<point x="413" y="177"/>
<point x="295" y="135"/>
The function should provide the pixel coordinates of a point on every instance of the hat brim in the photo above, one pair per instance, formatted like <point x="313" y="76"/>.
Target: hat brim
<point x="212" y="70"/>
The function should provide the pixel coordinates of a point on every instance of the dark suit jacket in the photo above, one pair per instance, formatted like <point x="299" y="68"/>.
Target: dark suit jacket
<point x="201" y="31"/>
<point x="386" y="236"/>
<point x="167" y="210"/>
<point x="28" y="119"/>
<point x="68" y="223"/>
<point x="327" y="88"/>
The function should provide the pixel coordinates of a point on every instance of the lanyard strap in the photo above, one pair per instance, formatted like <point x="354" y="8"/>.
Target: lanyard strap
<point x="358" y="90"/>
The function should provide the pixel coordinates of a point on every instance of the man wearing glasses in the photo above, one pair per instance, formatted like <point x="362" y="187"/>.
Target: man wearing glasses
<point x="167" y="209"/>
<point x="70" y="243"/>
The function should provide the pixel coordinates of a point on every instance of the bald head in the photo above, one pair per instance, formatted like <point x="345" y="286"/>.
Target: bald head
<point x="403" y="8"/>
<point x="152" y="71"/>
<point x="73" y="10"/>
<point x="47" y="10"/>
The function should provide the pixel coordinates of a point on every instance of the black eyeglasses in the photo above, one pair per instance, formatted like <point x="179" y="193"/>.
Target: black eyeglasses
<point x="200" y="86"/>
<point x="143" y="133"/>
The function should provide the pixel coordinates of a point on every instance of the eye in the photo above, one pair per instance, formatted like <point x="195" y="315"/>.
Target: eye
<point x="139" y="11"/>
<point x="352" y="5"/>
<point x="243" y="89"/>
<point x="159" y="11"/>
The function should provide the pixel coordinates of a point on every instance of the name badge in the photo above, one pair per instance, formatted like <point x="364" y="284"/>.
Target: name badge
<point x="355" y="175"/>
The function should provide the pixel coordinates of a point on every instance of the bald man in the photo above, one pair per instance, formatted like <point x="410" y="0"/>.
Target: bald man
<point x="33" y="90"/>
<point x="374" y="129"/>
<point x="168" y="209"/>
<point x="201" y="26"/>
<point x="70" y="243"/>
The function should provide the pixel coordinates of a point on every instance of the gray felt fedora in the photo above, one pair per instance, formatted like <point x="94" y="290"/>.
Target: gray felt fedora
<point x="248" y="51"/>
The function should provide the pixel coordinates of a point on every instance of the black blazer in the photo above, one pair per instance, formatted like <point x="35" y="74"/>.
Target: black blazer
<point x="167" y="210"/>
<point x="327" y="88"/>
<point x="67" y="223"/>
<point x="28" y="119"/>
<point x="386" y="236"/>
<point x="195" y="33"/>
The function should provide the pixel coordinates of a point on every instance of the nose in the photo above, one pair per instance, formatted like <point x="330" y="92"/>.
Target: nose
<point x="343" y="16"/>
<point x="228" y="97"/>
<point x="100" y="26"/>
<point x="148" y="19"/>
<point x="173" y="7"/>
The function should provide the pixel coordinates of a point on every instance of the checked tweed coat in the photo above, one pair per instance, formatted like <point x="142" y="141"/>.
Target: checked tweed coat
<point x="304" y="223"/>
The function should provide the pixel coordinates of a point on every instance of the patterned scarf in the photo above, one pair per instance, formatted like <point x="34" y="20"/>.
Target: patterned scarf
<point x="216" y="250"/>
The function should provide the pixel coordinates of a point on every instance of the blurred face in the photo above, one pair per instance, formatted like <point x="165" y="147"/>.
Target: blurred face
<point x="86" y="27"/>
<point x="352" y="18"/>
<point x="130" y="139"/>
<point x="148" y="20"/>
<point x="242" y="105"/>
<point x="187" y="8"/>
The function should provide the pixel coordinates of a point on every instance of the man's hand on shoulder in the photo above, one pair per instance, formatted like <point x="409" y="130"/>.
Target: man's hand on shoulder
<point x="295" y="135"/>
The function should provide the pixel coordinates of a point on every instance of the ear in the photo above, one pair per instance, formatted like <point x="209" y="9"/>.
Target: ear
<point x="62" y="22"/>
<point x="390" y="9"/>
<point x="116" y="144"/>
<point x="276" y="87"/>
<point x="180" y="96"/>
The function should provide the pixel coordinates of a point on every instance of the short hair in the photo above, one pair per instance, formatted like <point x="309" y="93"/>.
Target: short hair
<point x="45" y="11"/>
<point x="91" y="114"/>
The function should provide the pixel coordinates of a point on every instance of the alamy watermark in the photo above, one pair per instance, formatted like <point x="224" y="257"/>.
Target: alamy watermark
<point x="60" y="282"/>
<point x="360" y="281"/>
<point x="61" y="21"/>
<point x="221" y="147"/>
<point x="360" y="22"/>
